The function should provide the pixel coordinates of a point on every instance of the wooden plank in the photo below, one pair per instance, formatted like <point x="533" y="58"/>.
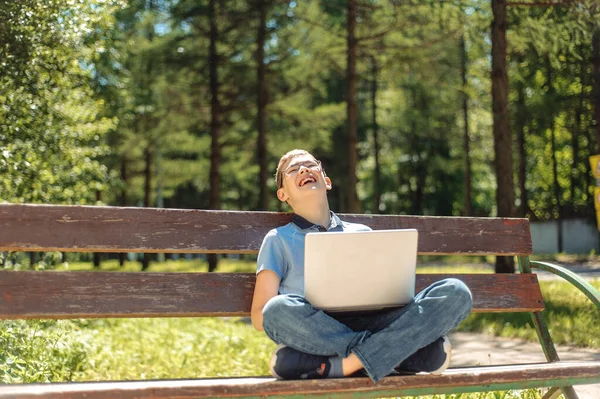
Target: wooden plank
<point x="113" y="229"/>
<point x="453" y="380"/>
<point x="56" y="295"/>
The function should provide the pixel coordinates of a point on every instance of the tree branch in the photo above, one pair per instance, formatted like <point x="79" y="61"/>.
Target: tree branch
<point x="423" y="44"/>
<point x="376" y="35"/>
<point x="318" y="25"/>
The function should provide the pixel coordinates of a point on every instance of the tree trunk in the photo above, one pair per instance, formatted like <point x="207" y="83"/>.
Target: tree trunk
<point x="591" y="150"/>
<point x="262" y="107"/>
<point x="575" y="133"/>
<point x="505" y="194"/>
<point x="575" y="175"/>
<point x="147" y="192"/>
<point x="96" y="255"/>
<point x="596" y="73"/>
<point x="147" y="176"/>
<point x="215" y="122"/>
<point x="420" y="165"/>
<point x="419" y="203"/>
<point x="147" y="128"/>
<point x="466" y="138"/>
<point x="160" y="203"/>
<point x="96" y="260"/>
<point x="123" y="201"/>
<point x="377" y="177"/>
<point x="353" y="206"/>
<point x="551" y="97"/>
<point x="559" y="211"/>
<point x="521" y="120"/>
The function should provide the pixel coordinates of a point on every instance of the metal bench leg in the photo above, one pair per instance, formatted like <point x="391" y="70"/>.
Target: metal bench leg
<point x="550" y="350"/>
<point x="544" y="335"/>
<point x="553" y="393"/>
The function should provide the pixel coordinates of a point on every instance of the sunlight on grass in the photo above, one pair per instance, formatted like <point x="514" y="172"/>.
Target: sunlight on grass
<point x="226" y="265"/>
<point x="229" y="265"/>
<point x="174" y="348"/>
<point x="470" y="269"/>
<point x="516" y="394"/>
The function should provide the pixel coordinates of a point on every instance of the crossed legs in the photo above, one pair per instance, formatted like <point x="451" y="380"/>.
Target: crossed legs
<point x="378" y="342"/>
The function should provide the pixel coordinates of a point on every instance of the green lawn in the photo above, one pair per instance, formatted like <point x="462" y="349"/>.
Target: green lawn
<point x="113" y="349"/>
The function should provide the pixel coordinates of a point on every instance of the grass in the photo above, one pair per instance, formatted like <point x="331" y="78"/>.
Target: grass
<point x="174" y="348"/>
<point x="226" y="265"/>
<point x="431" y="264"/>
<point x="568" y="258"/>
<point x="123" y="349"/>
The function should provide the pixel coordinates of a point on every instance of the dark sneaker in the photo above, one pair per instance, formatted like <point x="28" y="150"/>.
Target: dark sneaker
<point x="433" y="358"/>
<point x="290" y="364"/>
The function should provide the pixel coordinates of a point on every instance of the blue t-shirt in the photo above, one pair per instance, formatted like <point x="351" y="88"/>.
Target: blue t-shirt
<point x="282" y="250"/>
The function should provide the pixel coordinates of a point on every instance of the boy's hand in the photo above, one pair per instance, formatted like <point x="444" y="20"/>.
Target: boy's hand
<point x="267" y="286"/>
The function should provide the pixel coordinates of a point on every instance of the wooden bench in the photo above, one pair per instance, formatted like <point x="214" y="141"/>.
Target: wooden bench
<point x="63" y="295"/>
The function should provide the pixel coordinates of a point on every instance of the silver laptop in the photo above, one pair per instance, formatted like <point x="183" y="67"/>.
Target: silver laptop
<point x="354" y="271"/>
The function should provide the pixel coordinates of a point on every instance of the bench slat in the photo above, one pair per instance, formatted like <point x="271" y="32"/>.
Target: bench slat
<point x="59" y="295"/>
<point x="457" y="380"/>
<point x="27" y="227"/>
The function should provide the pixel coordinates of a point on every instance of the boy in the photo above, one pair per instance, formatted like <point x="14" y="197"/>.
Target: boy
<point x="314" y="344"/>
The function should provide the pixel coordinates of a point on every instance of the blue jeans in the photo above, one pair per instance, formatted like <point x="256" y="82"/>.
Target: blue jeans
<point x="382" y="339"/>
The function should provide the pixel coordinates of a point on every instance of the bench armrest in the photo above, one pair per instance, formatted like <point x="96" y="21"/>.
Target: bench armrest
<point x="571" y="277"/>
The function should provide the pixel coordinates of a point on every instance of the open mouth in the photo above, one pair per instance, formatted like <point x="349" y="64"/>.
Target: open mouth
<point x="308" y="179"/>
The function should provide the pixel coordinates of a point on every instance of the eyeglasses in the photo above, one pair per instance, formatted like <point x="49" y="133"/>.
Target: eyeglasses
<point x="294" y="169"/>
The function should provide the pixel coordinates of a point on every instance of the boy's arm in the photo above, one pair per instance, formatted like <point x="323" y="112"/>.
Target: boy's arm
<point x="267" y="286"/>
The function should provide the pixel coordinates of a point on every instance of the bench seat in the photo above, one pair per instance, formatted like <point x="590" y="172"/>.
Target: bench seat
<point x="456" y="380"/>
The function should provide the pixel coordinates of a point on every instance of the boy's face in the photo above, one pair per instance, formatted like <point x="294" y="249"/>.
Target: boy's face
<point x="302" y="178"/>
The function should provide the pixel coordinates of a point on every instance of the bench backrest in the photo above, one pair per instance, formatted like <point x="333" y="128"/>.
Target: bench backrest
<point x="113" y="229"/>
<point x="27" y="294"/>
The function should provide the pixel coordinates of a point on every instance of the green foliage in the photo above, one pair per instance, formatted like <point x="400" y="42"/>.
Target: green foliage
<point x="100" y="89"/>
<point x="35" y="261"/>
<point x="226" y="265"/>
<point x="41" y="351"/>
<point x="50" y="133"/>
<point x="552" y="75"/>
<point x="516" y="394"/>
